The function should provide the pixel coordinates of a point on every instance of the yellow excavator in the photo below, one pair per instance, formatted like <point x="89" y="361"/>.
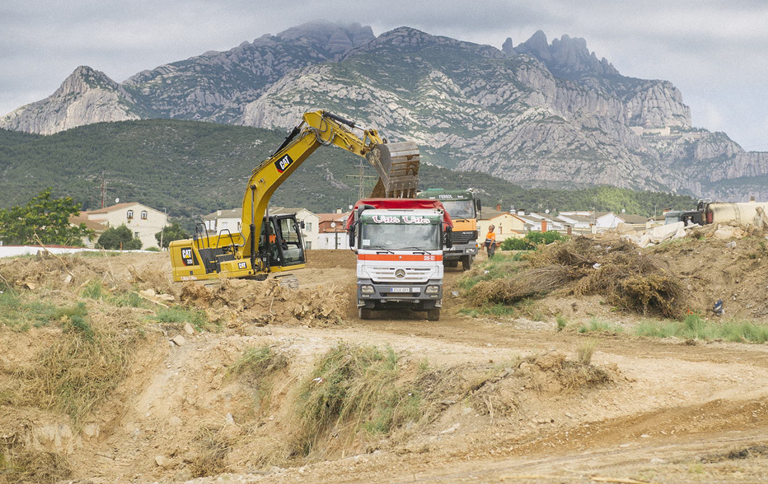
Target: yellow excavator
<point x="272" y="243"/>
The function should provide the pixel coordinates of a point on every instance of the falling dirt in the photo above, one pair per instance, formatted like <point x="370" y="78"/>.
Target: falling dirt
<point x="504" y="398"/>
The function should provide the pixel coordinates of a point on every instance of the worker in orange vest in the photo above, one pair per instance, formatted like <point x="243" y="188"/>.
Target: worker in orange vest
<point x="490" y="241"/>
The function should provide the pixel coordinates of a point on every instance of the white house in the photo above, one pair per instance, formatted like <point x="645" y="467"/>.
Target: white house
<point x="143" y="221"/>
<point x="507" y="225"/>
<point x="231" y="220"/>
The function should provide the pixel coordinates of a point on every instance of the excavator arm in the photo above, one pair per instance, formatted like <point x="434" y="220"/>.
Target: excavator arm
<point x="317" y="129"/>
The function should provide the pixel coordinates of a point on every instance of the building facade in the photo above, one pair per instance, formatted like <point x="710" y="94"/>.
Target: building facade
<point x="143" y="221"/>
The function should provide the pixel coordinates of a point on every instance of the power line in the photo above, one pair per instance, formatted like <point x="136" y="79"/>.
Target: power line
<point x="361" y="176"/>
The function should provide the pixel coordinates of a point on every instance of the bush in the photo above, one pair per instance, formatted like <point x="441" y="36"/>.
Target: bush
<point x="120" y="238"/>
<point x="531" y="240"/>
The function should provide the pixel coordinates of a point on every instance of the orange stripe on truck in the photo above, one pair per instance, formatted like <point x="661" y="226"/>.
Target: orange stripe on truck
<point x="399" y="257"/>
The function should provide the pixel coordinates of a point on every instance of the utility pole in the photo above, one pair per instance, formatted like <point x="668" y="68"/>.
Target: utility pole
<point x="103" y="190"/>
<point x="360" y="176"/>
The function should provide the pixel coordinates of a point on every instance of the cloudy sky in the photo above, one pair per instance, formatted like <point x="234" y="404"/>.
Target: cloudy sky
<point x="714" y="51"/>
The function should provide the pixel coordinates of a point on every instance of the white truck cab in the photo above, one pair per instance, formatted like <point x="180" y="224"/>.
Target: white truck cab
<point x="399" y="258"/>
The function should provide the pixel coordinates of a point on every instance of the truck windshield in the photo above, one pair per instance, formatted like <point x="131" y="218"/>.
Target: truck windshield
<point x="459" y="208"/>
<point x="401" y="237"/>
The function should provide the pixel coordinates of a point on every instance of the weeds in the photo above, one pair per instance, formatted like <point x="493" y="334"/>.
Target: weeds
<point x="78" y="370"/>
<point x="561" y="322"/>
<point x="93" y="290"/>
<point x="597" y="326"/>
<point x="585" y="351"/>
<point x="355" y="388"/>
<point x="256" y="367"/>
<point x="500" y="266"/>
<point x="695" y="327"/>
<point x="180" y="314"/>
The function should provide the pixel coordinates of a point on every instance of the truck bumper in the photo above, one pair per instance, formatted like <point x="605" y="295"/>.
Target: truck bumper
<point x="458" y="251"/>
<point x="419" y="296"/>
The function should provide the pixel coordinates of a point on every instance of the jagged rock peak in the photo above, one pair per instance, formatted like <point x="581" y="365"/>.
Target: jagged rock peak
<point x="566" y="57"/>
<point x="336" y="38"/>
<point x="84" y="79"/>
<point x="407" y="39"/>
<point x="508" y="48"/>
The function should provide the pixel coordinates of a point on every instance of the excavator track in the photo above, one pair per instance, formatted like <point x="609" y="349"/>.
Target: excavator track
<point x="398" y="167"/>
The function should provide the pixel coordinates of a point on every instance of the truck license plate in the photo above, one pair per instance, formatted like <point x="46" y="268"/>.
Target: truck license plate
<point x="401" y="289"/>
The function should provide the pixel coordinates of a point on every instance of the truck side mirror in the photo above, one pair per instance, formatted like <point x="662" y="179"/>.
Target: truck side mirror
<point x="351" y="236"/>
<point x="448" y="242"/>
<point x="302" y="225"/>
<point x="478" y="204"/>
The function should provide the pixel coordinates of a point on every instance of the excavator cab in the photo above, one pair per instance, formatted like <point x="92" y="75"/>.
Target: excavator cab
<point x="280" y="244"/>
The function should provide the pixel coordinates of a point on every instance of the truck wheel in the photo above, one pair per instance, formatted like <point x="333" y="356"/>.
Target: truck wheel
<point x="433" y="314"/>
<point x="466" y="262"/>
<point x="364" y="313"/>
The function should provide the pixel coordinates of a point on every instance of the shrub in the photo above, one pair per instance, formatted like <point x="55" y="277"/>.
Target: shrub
<point x="532" y="240"/>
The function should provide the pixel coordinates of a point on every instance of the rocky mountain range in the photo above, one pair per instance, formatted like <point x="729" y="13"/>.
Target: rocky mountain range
<point x="537" y="114"/>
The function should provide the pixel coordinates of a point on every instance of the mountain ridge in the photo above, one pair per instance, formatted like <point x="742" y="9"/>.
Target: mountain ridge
<point x="538" y="113"/>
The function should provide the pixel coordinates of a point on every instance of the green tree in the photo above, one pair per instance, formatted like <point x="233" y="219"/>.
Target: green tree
<point x="120" y="238"/>
<point x="170" y="233"/>
<point x="44" y="217"/>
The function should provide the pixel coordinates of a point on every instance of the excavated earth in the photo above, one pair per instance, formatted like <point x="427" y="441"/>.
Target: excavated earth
<point x="642" y="410"/>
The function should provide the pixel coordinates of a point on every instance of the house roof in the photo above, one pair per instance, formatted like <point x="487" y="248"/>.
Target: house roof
<point x="89" y="224"/>
<point x="114" y="208"/>
<point x="634" y="219"/>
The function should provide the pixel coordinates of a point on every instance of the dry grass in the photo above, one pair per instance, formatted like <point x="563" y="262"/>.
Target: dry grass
<point x="33" y="467"/>
<point x="213" y="445"/>
<point x="78" y="371"/>
<point x="585" y="351"/>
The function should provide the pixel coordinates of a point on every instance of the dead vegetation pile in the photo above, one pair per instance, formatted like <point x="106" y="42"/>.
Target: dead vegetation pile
<point x="616" y="270"/>
<point x="234" y="302"/>
<point x="506" y="391"/>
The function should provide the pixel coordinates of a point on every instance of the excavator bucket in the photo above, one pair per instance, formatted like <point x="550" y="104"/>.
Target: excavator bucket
<point x="398" y="168"/>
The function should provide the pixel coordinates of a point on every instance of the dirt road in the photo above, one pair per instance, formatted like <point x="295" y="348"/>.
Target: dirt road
<point x="663" y="411"/>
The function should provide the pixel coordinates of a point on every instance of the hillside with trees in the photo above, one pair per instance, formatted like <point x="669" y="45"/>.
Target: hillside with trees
<point x="193" y="168"/>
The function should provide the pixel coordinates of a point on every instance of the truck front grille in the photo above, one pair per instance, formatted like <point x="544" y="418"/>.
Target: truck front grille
<point x="464" y="237"/>
<point x="412" y="274"/>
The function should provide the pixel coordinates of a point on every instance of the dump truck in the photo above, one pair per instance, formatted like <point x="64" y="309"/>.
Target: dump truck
<point x="399" y="245"/>
<point x="270" y="244"/>
<point x="463" y="207"/>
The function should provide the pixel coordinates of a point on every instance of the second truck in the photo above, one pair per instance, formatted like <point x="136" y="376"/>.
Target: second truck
<point x="463" y="207"/>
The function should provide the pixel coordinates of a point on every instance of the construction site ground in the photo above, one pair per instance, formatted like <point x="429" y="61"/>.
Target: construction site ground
<point x="512" y="405"/>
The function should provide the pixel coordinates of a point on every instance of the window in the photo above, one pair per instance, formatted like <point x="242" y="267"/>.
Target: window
<point x="130" y="214"/>
<point x="143" y="214"/>
<point x="308" y="244"/>
<point x="135" y="235"/>
<point x="308" y="226"/>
